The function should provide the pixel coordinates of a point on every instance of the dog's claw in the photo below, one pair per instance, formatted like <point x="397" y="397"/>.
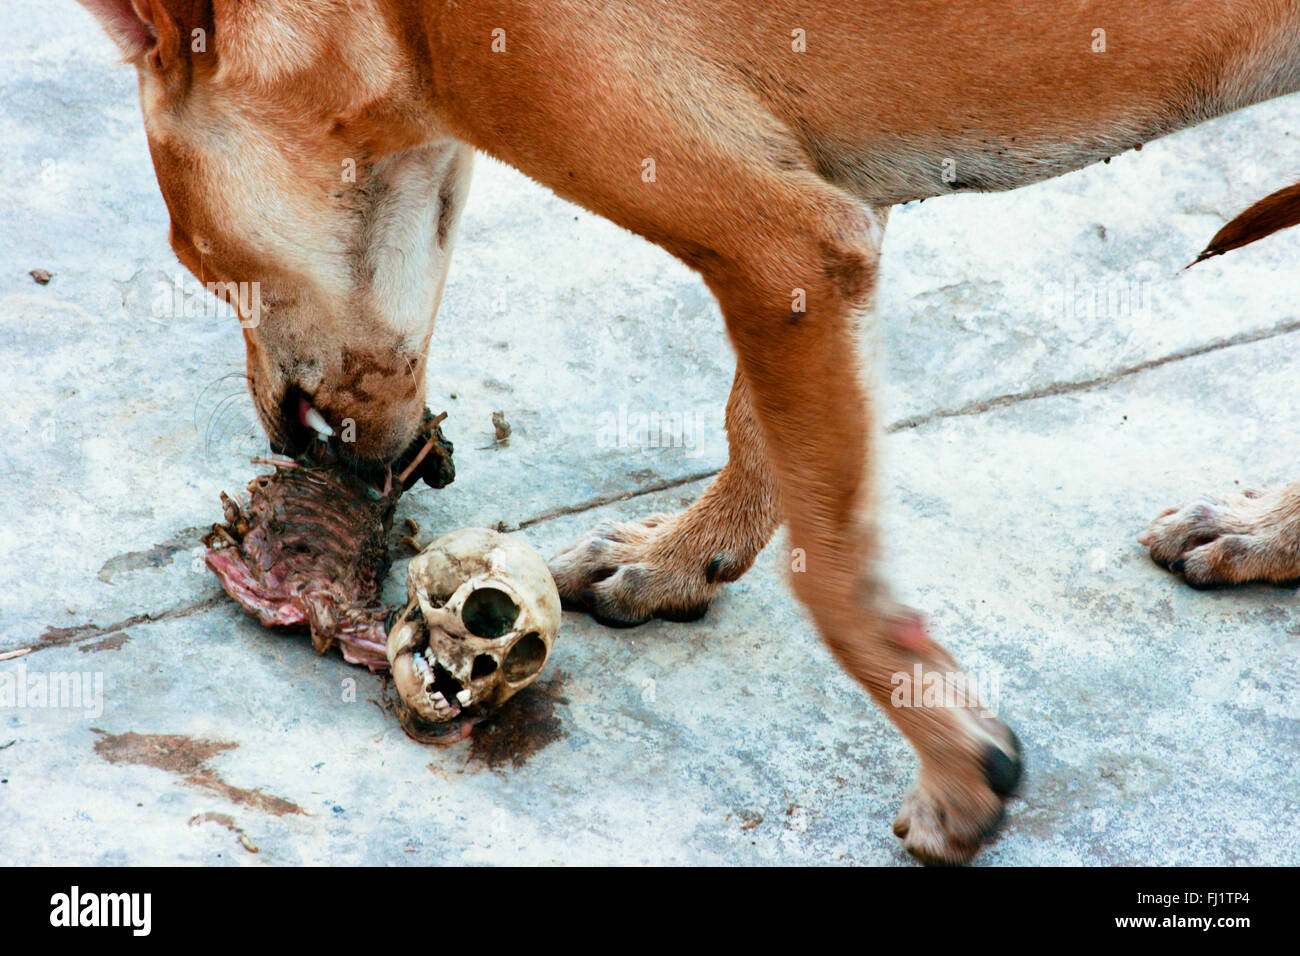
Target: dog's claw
<point x="1003" y="769"/>
<point x="616" y="622"/>
<point x="723" y="569"/>
<point x="625" y="574"/>
<point x="950" y="811"/>
<point x="1246" y="536"/>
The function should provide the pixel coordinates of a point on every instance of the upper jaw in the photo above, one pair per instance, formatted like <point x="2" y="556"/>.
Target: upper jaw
<point x="308" y="432"/>
<point x="442" y="721"/>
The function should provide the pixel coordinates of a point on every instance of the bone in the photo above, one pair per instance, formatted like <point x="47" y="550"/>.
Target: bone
<point x="471" y="593"/>
<point x="309" y="547"/>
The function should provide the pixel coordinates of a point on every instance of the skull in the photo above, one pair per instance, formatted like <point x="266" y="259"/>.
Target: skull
<point x="481" y="617"/>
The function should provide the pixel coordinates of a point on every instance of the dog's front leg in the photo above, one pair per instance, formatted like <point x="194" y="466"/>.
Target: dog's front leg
<point x="813" y="414"/>
<point x="670" y="566"/>
<point x="792" y="261"/>
<point x="1245" y="536"/>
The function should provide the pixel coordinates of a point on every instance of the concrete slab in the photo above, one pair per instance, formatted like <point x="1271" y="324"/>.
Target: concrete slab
<point x="1160" y="723"/>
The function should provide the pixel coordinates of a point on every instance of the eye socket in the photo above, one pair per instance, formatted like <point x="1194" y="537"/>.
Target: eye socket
<point x="525" y="658"/>
<point x="435" y="599"/>
<point x="489" y="612"/>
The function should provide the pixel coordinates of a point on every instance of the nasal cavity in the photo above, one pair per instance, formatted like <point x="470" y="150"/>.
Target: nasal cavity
<point x="444" y="683"/>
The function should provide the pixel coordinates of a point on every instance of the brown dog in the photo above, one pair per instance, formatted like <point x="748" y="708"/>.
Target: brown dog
<point x="322" y="148"/>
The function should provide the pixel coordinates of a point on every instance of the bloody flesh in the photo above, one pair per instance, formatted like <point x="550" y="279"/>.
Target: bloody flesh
<point x="311" y="546"/>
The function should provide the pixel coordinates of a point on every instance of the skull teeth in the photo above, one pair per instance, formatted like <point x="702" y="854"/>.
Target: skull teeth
<point x="423" y="663"/>
<point x="422" y="667"/>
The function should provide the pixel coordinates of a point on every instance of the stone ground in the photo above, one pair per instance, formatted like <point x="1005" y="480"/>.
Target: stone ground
<point x="1052" y="379"/>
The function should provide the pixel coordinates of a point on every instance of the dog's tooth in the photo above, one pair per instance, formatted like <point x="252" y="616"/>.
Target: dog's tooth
<point x="316" y="422"/>
<point x="465" y="695"/>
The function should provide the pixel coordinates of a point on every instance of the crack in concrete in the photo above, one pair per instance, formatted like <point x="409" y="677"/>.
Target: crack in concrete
<point x="68" y="636"/>
<point x="980" y="406"/>
<point x="976" y="407"/>
<point x="57" y="637"/>
<point x="665" y="485"/>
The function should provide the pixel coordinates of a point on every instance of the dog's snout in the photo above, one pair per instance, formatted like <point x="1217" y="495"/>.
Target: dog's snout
<point x="320" y="424"/>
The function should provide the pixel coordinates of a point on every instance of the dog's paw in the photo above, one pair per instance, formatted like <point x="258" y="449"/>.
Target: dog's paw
<point x="625" y="573"/>
<point x="1252" y="536"/>
<point x="950" y="812"/>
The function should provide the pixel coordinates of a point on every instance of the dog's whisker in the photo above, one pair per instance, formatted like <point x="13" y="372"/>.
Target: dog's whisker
<point x="198" y="401"/>
<point x="220" y="408"/>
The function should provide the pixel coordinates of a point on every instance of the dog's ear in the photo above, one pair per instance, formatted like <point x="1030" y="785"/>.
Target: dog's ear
<point x="144" y="29"/>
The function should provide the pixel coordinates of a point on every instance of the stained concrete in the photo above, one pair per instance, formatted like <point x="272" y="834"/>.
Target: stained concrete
<point x="1052" y="381"/>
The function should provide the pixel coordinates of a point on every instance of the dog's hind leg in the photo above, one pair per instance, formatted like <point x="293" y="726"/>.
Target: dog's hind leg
<point x="671" y="565"/>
